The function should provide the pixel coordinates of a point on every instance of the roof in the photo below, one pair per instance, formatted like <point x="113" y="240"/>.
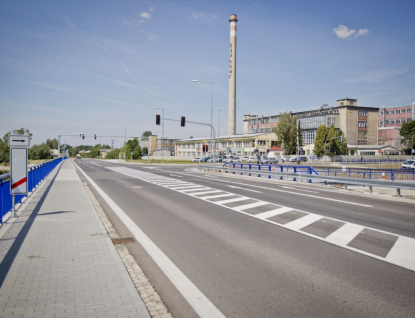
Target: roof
<point x="228" y="137"/>
<point x="275" y="148"/>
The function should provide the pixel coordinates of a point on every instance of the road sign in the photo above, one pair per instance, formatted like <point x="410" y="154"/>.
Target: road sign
<point x="19" y="141"/>
<point x="18" y="171"/>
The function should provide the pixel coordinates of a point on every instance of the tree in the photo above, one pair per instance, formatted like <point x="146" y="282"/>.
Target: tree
<point x="4" y="147"/>
<point x="39" y="152"/>
<point x="407" y="131"/>
<point x="133" y="146"/>
<point x="286" y="131"/>
<point x="331" y="145"/>
<point x="321" y="137"/>
<point x="341" y="143"/>
<point x="52" y="143"/>
<point x="147" y="134"/>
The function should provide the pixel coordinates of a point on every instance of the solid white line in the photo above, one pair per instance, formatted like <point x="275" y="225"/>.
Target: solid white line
<point x="403" y="253"/>
<point x="200" y="303"/>
<point x="178" y="187"/>
<point x="272" y="213"/>
<point x="249" y="206"/>
<point x="194" y="189"/>
<point x="303" y="221"/>
<point x="285" y="187"/>
<point x="345" y="234"/>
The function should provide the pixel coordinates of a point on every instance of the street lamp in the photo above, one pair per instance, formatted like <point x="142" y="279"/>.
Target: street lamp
<point x="211" y="113"/>
<point x="412" y="148"/>
<point x="162" y="135"/>
<point x="219" y="126"/>
<point x="125" y="141"/>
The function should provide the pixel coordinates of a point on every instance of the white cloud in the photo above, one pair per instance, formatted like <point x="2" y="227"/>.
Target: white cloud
<point x="343" y="32"/>
<point x="145" y="15"/>
<point x="152" y="36"/>
<point x="203" y="16"/>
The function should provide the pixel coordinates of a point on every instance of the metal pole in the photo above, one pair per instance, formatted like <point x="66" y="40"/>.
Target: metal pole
<point x="219" y="127"/>
<point x="162" y="137"/>
<point x="211" y="124"/>
<point x="125" y="142"/>
<point x="412" y="148"/>
<point x="148" y="149"/>
<point x="13" y="206"/>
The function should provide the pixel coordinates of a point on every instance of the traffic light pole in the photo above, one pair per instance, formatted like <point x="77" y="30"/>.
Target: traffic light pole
<point x="212" y="151"/>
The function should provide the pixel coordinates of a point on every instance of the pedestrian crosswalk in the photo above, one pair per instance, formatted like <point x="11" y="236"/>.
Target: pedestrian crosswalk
<point x="392" y="248"/>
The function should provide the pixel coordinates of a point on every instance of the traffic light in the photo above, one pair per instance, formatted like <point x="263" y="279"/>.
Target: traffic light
<point x="204" y="148"/>
<point x="183" y="121"/>
<point x="95" y="136"/>
<point x="157" y="119"/>
<point x="82" y="136"/>
<point x="207" y="148"/>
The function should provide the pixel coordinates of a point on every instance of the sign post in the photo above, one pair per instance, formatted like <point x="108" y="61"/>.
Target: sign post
<point x="19" y="145"/>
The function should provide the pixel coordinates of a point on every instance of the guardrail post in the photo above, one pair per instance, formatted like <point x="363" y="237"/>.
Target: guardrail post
<point x="370" y="189"/>
<point x="398" y="192"/>
<point x="259" y="168"/>
<point x="345" y="186"/>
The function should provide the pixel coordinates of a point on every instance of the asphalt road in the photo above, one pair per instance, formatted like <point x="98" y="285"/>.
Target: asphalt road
<point x="247" y="263"/>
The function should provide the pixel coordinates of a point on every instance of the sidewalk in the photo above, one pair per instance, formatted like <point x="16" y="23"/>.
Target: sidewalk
<point x="57" y="259"/>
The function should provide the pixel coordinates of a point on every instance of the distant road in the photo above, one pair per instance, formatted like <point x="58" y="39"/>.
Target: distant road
<point x="260" y="249"/>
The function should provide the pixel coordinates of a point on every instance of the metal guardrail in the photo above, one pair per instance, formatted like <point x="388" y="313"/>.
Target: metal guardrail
<point x="307" y="175"/>
<point x="36" y="175"/>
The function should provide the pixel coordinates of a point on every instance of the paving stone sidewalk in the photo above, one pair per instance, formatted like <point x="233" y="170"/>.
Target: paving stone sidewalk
<point x="57" y="259"/>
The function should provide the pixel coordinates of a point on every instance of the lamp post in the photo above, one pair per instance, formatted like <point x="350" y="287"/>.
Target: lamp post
<point x="412" y="148"/>
<point x="162" y="135"/>
<point x="219" y="127"/>
<point x="211" y="113"/>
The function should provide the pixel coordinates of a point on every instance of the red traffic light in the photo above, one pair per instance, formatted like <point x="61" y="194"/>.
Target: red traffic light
<point x="157" y="119"/>
<point x="183" y="121"/>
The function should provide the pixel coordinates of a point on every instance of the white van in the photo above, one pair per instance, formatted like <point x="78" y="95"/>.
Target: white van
<point x="408" y="164"/>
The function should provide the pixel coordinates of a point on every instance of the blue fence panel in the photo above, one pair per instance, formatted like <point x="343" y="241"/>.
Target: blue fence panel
<point x="35" y="175"/>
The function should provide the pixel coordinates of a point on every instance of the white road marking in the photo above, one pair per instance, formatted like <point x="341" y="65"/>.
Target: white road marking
<point x="303" y="222"/>
<point x="403" y="252"/>
<point x="206" y="192"/>
<point x="200" y="303"/>
<point x="249" y="206"/>
<point x="285" y="187"/>
<point x="345" y="234"/>
<point x="402" y="256"/>
<point x="272" y="213"/>
<point x="232" y="200"/>
<point x="235" y="187"/>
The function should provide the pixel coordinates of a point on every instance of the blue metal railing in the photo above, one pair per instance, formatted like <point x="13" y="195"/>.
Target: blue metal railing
<point x="35" y="176"/>
<point x="359" y="161"/>
<point x="405" y="175"/>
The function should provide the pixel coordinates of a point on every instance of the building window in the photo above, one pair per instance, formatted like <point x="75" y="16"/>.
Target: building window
<point x="408" y="110"/>
<point x="362" y="112"/>
<point x="387" y="112"/>
<point x="381" y="122"/>
<point x="392" y="122"/>
<point x="408" y="119"/>
<point x="398" y="121"/>
<point x="386" y="122"/>
<point x="362" y="124"/>
<point x="392" y="112"/>
<point x="398" y="111"/>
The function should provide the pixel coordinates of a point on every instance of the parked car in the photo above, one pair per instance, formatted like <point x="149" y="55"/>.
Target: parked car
<point x="217" y="159"/>
<point x="408" y="164"/>
<point x="196" y="159"/>
<point x="293" y="159"/>
<point x="267" y="160"/>
<point x="302" y="158"/>
<point x="232" y="159"/>
<point x="284" y="159"/>
<point x="245" y="158"/>
<point x="253" y="159"/>
<point x="205" y="159"/>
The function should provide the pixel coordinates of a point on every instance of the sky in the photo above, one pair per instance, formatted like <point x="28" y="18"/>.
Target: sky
<point x="102" y="67"/>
